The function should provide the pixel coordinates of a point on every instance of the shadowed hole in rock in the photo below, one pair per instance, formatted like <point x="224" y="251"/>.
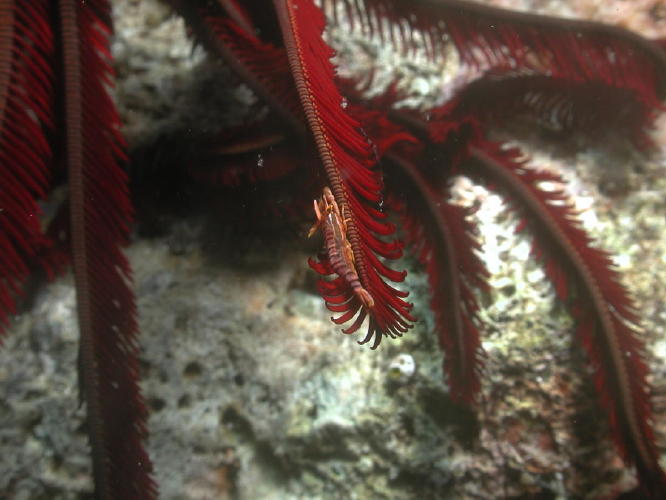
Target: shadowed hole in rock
<point x="192" y="370"/>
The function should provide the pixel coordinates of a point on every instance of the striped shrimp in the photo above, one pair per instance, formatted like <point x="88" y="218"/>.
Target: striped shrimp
<point x="331" y="220"/>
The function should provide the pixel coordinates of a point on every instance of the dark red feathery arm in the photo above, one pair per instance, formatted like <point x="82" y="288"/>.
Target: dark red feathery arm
<point x="229" y="158"/>
<point x="443" y="242"/>
<point x="260" y="64"/>
<point x="350" y="166"/>
<point x="26" y="120"/>
<point x="100" y="217"/>
<point x="490" y="38"/>
<point x="606" y="317"/>
<point x="438" y="232"/>
<point x="590" y="112"/>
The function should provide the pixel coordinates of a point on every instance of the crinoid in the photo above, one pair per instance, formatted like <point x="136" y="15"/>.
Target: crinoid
<point x="381" y="172"/>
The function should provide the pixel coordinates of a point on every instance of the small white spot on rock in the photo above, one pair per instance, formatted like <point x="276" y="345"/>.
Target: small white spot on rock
<point x="402" y="367"/>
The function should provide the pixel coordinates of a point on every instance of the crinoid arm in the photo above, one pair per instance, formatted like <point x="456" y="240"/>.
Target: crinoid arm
<point x="351" y="169"/>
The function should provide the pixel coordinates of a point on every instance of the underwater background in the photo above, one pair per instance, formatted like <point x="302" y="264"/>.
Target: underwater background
<point x="253" y="392"/>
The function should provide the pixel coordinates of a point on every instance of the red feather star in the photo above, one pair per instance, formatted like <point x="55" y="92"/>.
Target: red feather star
<point x="385" y="170"/>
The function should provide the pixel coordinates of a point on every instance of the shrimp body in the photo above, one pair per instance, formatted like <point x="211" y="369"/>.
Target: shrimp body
<point x="331" y="221"/>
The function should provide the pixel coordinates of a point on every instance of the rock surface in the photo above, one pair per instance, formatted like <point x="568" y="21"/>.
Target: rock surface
<point x="254" y="394"/>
